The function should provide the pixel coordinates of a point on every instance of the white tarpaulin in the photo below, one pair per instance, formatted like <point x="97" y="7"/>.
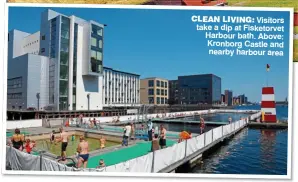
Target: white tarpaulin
<point x="195" y="144"/>
<point x="18" y="160"/>
<point x="237" y="125"/>
<point x="217" y="133"/>
<point x="165" y="157"/>
<point x="141" y="164"/>
<point x="208" y="136"/>
<point x="227" y="129"/>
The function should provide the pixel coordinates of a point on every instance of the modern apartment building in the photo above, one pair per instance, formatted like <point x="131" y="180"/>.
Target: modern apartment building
<point x="229" y="97"/>
<point x="173" y="92"/>
<point x="199" y="89"/>
<point x="120" y="89"/>
<point x="63" y="64"/>
<point x="154" y="91"/>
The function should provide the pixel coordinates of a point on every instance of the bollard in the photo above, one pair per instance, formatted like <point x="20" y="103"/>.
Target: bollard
<point x="152" y="167"/>
<point x="40" y="161"/>
<point x="185" y="148"/>
<point x="222" y="131"/>
<point x="204" y="139"/>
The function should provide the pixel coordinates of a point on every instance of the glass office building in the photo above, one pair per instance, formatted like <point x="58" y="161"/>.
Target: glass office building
<point x="199" y="89"/>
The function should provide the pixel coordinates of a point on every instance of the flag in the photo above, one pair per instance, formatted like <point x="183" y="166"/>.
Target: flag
<point x="268" y="67"/>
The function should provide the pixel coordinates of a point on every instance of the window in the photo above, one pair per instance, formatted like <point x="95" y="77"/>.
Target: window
<point x="166" y="92"/>
<point x="157" y="91"/>
<point x="157" y="83"/>
<point x="96" y="30"/>
<point x="43" y="50"/>
<point x="162" y="92"/>
<point x="93" y="41"/>
<point x="151" y="100"/>
<point x="150" y="91"/>
<point x="166" y="84"/>
<point x="158" y="100"/>
<point x="151" y="83"/>
<point x="162" y="100"/>
<point x="100" y="44"/>
<point x="99" y="56"/>
<point x="166" y="101"/>
<point x="43" y="37"/>
<point x="162" y="83"/>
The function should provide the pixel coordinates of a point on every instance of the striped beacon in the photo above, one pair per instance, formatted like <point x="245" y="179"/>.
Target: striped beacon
<point x="268" y="105"/>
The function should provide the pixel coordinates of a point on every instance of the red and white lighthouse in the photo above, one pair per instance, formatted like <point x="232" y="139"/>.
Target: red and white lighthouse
<point x="268" y="105"/>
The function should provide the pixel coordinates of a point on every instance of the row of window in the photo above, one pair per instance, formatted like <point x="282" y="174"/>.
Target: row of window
<point x="14" y="95"/>
<point x="35" y="52"/>
<point x="14" y="83"/>
<point x="158" y="92"/>
<point x="31" y="43"/>
<point x="159" y="83"/>
<point x="159" y="100"/>
<point x="119" y="75"/>
<point x="119" y="100"/>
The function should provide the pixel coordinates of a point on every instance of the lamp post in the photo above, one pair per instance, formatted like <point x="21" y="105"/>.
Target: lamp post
<point x="38" y="97"/>
<point x="88" y="97"/>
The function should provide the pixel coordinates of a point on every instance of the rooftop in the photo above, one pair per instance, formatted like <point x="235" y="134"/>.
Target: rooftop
<point x="107" y="68"/>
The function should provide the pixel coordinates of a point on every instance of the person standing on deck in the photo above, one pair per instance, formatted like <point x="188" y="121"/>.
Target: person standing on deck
<point x="64" y="142"/>
<point x="83" y="150"/>
<point x="230" y="120"/>
<point x="150" y="126"/>
<point x="127" y="130"/>
<point x="162" y="140"/>
<point x="155" y="144"/>
<point x="202" y="124"/>
<point x="132" y="135"/>
<point x="17" y="140"/>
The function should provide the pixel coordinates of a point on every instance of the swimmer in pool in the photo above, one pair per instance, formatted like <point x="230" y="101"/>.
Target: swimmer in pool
<point x="73" y="137"/>
<point x="102" y="142"/>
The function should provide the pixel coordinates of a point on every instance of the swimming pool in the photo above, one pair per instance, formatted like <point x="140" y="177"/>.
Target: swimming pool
<point x="55" y="148"/>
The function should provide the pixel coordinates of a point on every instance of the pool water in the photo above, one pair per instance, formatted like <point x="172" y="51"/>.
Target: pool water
<point x="217" y="117"/>
<point x="55" y="149"/>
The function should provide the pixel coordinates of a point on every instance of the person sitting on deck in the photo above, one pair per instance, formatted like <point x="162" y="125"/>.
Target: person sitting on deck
<point x="184" y="135"/>
<point x="102" y="141"/>
<point x="155" y="143"/>
<point x="17" y="140"/>
<point x="101" y="164"/>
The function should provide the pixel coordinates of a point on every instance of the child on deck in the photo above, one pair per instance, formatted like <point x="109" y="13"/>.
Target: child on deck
<point x="29" y="146"/>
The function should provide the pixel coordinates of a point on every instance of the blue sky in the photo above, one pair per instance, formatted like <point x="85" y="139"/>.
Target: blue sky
<point x="165" y="43"/>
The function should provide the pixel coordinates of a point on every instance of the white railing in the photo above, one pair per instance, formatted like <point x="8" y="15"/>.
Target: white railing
<point x="152" y="162"/>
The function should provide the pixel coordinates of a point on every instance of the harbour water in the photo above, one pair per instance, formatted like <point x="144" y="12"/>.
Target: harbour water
<point x="252" y="151"/>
